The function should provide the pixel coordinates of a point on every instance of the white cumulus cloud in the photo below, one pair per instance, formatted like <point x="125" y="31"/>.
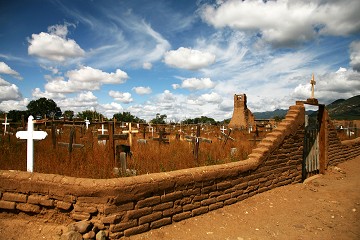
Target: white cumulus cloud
<point x="120" y="96"/>
<point x="286" y="22"/>
<point x="5" y="69"/>
<point x="196" y="84"/>
<point x="8" y="91"/>
<point x="54" y="45"/>
<point x="189" y="59"/>
<point x="84" y="79"/>
<point x="142" y="90"/>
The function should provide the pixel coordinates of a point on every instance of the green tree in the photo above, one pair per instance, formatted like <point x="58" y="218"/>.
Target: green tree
<point x="42" y="107"/>
<point x="15" y="115"/>
<point x="202" y="119"/>
<point x="90" y="115"/>
<point x="159" y="119"/>
<point x="68" y="114"/>
<point x="127" y="117"/>
<point x="278" y="118"/>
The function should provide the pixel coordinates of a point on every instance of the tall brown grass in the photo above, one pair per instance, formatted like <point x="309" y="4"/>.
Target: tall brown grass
<point x="93" y="160"/>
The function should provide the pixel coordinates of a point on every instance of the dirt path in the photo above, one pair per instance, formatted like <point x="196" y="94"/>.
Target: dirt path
<point x="327" y="207"/>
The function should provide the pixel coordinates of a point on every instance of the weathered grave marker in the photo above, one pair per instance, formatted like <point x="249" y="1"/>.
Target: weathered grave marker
<point x="227" y="136"/>
<point x="111" y="137"/>
<point x="162" y="136"/>
<point x="30" y="135"/>
<point x="196" y="141"/>
<point x="130" y="132"/>
<point x="71" y="143"/>
<point x="151" y="129"/>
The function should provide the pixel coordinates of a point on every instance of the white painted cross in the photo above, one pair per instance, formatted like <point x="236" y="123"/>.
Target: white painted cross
<point x="30" y="135"/>
<point x="103" y="130"/>
<point x="222" y="129"/>
<point x="87" y="122"/>
<point x="5" y="124"/>
<point x="130" y="132"/>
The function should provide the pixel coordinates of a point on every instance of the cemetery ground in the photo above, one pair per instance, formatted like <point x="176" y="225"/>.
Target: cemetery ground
<point x="93" y="158"/>
<point x="324" y="207"/>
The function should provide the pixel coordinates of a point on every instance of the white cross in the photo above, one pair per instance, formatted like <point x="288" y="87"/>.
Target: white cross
<point x="130" y="132"/>
<point x="5" y="124"/>
<point x="103" y="130"/>
<point x="30" y="135"/>
<point x="222" y="129"/>
<point x="87" y="122"/>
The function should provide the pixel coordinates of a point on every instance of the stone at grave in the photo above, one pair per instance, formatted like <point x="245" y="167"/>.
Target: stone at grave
<point x="142" y="141"/>
<point x="81" y="227"/>
<point x="123" y="162"/>
<point x="71" y="235"/>
<point x="30" y="135"/>
<point x="101" y="235"/>
<point x="89" y="235"/>
<point x="233" y="152"/>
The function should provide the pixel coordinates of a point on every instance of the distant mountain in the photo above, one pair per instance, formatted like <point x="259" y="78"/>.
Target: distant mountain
<point x="270" y="114"/>
<point x="341" y="109"/>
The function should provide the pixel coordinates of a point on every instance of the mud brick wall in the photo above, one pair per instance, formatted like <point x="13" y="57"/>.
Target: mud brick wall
<point x="128" y="206"/>
<point x="340" y="151"/>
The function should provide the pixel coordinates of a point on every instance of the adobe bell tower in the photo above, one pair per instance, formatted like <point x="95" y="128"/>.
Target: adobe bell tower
<point x="242" y="117"/>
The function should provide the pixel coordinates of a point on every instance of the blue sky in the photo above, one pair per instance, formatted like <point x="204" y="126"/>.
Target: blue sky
<point x="184" y="59"/>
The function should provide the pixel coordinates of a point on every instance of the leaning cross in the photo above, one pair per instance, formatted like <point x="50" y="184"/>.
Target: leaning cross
<point x="30" y="135"/>
<point x="130" y="132"/>
<point x="5" y="124"/>
<point x="313" y="83"/>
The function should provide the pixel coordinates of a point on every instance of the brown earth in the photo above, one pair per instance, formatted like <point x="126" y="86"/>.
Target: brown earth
<point x="324" y="207"/>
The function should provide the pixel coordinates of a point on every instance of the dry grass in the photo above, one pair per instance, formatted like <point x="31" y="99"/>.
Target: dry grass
<point x="93" y="160"/>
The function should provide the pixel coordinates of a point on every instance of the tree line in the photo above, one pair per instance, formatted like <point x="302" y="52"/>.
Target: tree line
<point x="44" y="107"/>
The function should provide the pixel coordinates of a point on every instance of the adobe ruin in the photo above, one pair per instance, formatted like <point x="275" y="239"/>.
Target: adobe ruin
<point x="242" y="117"/>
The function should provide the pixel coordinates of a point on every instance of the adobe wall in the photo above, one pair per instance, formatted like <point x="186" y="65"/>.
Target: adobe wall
<point x="340" y="151"/>
<point x="127" y="206"/>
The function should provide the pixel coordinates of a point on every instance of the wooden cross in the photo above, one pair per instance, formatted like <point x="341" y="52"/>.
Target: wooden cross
<point x="71" y="143"/>
<point x="5" y="124"/>
<point x="30" y="135"/>
<point x="227" y="136"/>
<point x="130" y="132"/>
<point x="313" y="83"/>
<point x="196" y="141"/>
<point x="111" y="137"/>
<point x="162" y="136"/>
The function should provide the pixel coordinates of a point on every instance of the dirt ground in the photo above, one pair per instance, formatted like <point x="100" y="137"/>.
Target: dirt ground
<point x="324" y="207"/>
